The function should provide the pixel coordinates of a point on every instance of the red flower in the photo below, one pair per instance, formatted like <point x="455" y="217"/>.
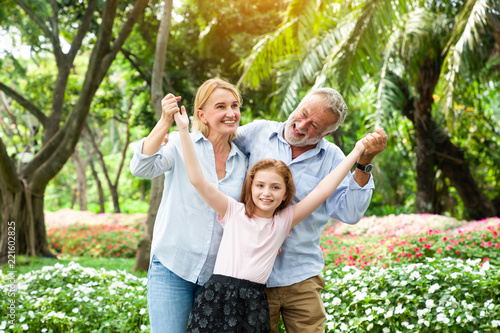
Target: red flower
<point x="445" y="239"/>
<point x="417" y="249"/>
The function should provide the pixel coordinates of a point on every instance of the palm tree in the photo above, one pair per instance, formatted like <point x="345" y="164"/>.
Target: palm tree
<point x="411" y="51"/>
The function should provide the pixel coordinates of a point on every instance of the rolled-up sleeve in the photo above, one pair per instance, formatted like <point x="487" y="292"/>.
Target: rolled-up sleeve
<point x="145" y="166"/>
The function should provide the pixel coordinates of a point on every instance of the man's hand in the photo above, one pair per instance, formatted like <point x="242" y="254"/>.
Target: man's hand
<point x="374" y="143"/>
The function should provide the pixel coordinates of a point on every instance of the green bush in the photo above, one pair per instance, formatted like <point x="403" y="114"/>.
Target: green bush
<point x="74" y="298"/>
<point x="447" y="295"/>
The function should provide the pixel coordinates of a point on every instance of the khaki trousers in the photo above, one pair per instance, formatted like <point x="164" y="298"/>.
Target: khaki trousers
<point x="300" y="305"/>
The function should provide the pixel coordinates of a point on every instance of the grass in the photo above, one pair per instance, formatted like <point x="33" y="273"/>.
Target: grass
<point x="27" y="264"/>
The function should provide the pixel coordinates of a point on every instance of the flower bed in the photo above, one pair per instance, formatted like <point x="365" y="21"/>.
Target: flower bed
<point x="73" y="298"/>
<point x="95" y="240"/>
<point x="376" y="242"/>
<point x="447" y="295"/>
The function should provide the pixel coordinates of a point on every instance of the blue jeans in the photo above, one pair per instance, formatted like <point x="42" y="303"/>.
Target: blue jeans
<point x="170" y="299"/>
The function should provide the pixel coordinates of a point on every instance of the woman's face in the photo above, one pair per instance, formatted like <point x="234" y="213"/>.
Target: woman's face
<point x="221" y="113"/>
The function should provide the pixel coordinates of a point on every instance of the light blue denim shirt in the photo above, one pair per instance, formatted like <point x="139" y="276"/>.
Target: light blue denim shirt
<point x="186" y="234"/>
<point x="301" y="256"/>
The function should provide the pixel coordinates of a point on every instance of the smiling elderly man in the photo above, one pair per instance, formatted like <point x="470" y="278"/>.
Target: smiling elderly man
<point x="294" y="287"/>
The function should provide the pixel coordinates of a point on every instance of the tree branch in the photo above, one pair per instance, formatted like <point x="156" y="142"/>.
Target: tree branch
<point x="32" y="108"/>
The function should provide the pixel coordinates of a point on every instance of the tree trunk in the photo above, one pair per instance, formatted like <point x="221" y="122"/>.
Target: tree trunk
<point x="451" y="160"/>
<point x="100" y="191"/>
<point x="81" y="180"/>
<point x="426" y="200"/>
<point x="24" y="216"/>
<point x="143" y="253"/>
<point x="144" y="249"/>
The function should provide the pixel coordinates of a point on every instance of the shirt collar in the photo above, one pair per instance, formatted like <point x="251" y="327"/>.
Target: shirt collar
<point x="198" y="136"/>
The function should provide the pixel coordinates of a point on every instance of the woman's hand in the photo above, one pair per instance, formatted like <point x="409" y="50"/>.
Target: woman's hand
<point x="169" y="107"/>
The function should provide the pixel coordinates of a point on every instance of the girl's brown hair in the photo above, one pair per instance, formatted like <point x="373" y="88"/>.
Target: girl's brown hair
<point x="203" y="94"/>
<point x="267" y="164"/>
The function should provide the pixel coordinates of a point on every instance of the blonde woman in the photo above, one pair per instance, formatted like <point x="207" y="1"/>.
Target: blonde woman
<point x="187" y="235"/>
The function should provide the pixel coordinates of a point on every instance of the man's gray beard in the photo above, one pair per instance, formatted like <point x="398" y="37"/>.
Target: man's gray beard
<point x="292" y="140"/>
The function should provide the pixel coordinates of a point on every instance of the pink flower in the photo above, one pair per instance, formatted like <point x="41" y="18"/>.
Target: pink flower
<point x="439" y="250"/>
<point x="445" y="239"/>
<point x="417" y="249"/>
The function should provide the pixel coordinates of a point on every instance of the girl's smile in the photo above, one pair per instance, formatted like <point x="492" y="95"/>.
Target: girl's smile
<point x="268" y="191"/>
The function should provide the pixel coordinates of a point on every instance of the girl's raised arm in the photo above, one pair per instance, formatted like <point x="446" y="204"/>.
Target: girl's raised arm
<point x="327" y="186"/>
<point x="211" y="194"/>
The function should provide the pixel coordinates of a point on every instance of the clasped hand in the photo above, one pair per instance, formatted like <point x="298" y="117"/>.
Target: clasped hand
<point x="171" y="111"/>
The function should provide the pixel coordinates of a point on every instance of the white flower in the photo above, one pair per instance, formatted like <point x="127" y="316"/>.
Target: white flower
<point x="442" y="317"/>
<point x="384" y="294"/>
<point x="31" y="314"/>
<point x="336" y="301"/>
<point x="23" y="318"/>
<point x="343" y="327"/>
<point x="429" y="303"/>
<point x="399" y="309"/>
<point x="459" y="319"/>
<point x="421" y="313"/>
<point x="3" y="325"/>
<point x="433" y="288"/>
<point x="75" y="310"/>
<point x="482" y="314"/>
<point x="415" y="275"/>
<point x="25" y="327"/>
<point x="495" y="323"/>
<point x="144" y="327"/>
<point x="439" y="309"/>
<point x="44" y="330"/>
<point x="368" y="311"/>
<point x="386" y="330"/>
<point x="142" y="311"/>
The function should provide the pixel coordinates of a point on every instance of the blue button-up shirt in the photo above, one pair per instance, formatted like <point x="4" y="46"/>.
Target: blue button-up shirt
<point x="186" y="234"/>
<point x="301" y="256"/>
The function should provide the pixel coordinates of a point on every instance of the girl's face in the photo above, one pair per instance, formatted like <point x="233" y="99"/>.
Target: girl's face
<point x="268" y="191"/>
<point x="221" y="113"/>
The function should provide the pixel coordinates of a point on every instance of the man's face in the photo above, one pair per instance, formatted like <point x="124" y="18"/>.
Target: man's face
<point x="309" y="123"/>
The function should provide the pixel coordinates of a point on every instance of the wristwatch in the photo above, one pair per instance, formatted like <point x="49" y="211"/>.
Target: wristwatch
<point x="366" y="168"/>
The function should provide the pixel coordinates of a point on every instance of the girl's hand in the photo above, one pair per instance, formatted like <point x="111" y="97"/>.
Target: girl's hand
<point x="181" y="119"/>
<point x="360" y="146"/>
<point x="169" y="107"/>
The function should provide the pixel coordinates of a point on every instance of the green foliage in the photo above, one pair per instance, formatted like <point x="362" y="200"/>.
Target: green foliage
<point x="437" y="295"/>
<point x="104" y="240"/>
<point x="63" y="298"/>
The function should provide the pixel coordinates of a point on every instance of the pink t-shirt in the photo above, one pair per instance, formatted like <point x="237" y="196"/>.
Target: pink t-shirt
<point x="249" y="246"/>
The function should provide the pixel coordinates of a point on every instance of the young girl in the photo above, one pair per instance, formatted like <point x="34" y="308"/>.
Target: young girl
<point x="233" y="299"/>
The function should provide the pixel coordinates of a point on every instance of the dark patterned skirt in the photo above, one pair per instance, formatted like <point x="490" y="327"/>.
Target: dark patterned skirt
<point x="227" y="304"/>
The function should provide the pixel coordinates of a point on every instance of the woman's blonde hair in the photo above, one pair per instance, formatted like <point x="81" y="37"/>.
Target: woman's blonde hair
<point x="273" y="165"/>
<point x="203" y="94"/>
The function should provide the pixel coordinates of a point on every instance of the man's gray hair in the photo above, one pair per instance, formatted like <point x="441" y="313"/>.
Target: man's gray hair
<point x="333" y="102"/>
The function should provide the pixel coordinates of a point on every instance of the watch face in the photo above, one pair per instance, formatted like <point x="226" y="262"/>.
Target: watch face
<point x="368" y="168"/>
